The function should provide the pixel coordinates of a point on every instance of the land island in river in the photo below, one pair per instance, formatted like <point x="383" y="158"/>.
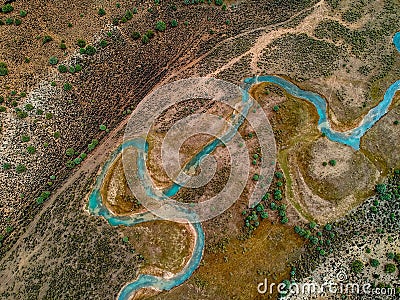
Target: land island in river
<point x="53" y="247"/>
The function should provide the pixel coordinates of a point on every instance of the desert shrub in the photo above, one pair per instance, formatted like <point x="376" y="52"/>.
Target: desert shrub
<point x="31" y="149"/>
<point x="29" y="107"/>
<point x="332" y="162"/>
<point x="102" y="127"/>
<point x="70" y="164"/>
<point x="3" y="69"/>
<point x="103" y="43"/>
<point x="78" y="68"/>
<point x="17" y="22"/>
<point x="62" y="68"/>
<point x="23" y="13"/>
<point x="351" y="15"/>
<point x="3" y="109"/>
<point x="135" y="35"/>
<point x="53" y="60"/>
<point x="374" y="263"/>
<point x="70" y="152"/>
<point x="160" y="26"/>
<point x="63" y="46"/>
<point x="90" y="50"/>
<point x="357" y="266"/>
<point x="67" y="86"/>
<point x="49" y="116"/>
<point x="46" y="39"/>
<point x="390" y="268"/>
<point x="6" y="166"/>
<point x="128" y="15"/>
<point x="7" y="8"/>
<point x="25" y="138"/>
<point x="150" y="33"/>
<point x="333" y="3"/>
<point x="81" y="43"/>
<point x="145" y="39"/>
<point x="21" y="114"/>
<point x="174" y="23"/>
<point x="219" y="2"/>
<point x="20" y="168"/>
<point x="9" y="21"/>
<point x="71" y="69"/>
<point x="101" y="12"/>
<point x="56" y="135"/>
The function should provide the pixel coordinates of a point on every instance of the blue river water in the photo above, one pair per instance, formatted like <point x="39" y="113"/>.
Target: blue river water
<point x="350" y="138"/>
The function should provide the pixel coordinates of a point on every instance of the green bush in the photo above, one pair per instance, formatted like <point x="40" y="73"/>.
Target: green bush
<point x="219" y="2"/>
<point x="46" y="39"/>
<point x="81" y="43"/>
<point x="374" y="263"/>
<point x="70" y="152"/>
<point x="160" y="26"/>
<point x="62" y="68"/>
<point x="3" y="108"/>
<point x="9" y="21"/>
<point x="6" y="166"/>
<point x="103" y="43"/>
<point x="90" y="50"/>
<point x="31" y="149"/>
<point x="25" y="138"/>
<point x="29" y="107"/>
<point x="53" y="60"/>
<point x="67" y="86"/>
<point x="23" y="13"/>
<point x="145" y="39"/>
<point x="7" y="8"/>
<point x="78" y="68"/>
<point x="20" y="168"/>
<point x="70" y="164"/>
<point x="357" y="266"/>
<point x="390" y="268"/>
<point x="332" y="162"/>
<point x="174" y="23"/>
<point x="128" y="15"/>
<point x="101" y="12"/>
<point x="135" y="35"/>
<point x="3" y="69"/>
<point x="63" y="46"/>
<point x="17" y="22"/>
<point x="150" y="33"/>
<point x="103" y="127"/>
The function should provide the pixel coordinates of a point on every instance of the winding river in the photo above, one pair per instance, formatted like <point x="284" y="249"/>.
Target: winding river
<point x="350" y="138"/>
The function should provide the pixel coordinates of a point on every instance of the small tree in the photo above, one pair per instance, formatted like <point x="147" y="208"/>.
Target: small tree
<point x="101" y="12"/>
<point x="390" y="268"/>
<point x="161" y="26"/>
<point x="357" y="266"/>
<point x="374" y="263"/>
<point x="53" y="60"/>
<point x="70" y="152"/>
<point x="174" y="23"/>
